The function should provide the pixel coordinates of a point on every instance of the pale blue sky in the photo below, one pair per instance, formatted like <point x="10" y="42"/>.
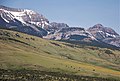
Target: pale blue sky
<point x="84" y="13"/>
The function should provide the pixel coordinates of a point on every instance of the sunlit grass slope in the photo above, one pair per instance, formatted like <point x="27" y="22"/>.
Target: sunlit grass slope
<point x="19" y="51"/>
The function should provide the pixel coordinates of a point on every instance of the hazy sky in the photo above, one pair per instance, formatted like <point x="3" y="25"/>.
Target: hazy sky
<point x="84" y="13"/>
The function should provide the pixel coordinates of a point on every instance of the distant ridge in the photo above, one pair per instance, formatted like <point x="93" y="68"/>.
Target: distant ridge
<point x="33" y="23"/>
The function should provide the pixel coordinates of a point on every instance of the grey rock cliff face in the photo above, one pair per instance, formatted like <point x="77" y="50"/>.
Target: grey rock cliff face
<point x="113" y="41"/>
<point x="70" y="33"/>
<point x="53" y="27"/>
<point x="100" y="32"/>
<point x="23" y="20"/>
<point x="105" y="34"/>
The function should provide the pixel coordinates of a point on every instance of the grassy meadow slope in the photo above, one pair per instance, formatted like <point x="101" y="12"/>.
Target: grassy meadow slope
<point x="21" y="51"/>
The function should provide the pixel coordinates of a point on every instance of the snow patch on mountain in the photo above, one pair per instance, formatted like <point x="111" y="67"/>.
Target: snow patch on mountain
<point x="114" y="36"/>
<point x="25" y="16"/>
<point x="4" y="18"/>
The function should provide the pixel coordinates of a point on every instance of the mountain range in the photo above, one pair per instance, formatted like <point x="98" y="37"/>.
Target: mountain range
<point x="33" y="23"/>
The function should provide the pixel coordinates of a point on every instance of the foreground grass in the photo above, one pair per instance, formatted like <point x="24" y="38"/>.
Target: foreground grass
<point x="36" y="75"/>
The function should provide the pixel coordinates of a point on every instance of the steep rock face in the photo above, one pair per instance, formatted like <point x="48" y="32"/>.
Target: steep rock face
<point x="113" y="41"/>
<point x="100" y="32"/>
<point x="23" y="20"/>
<point x="71" y="33"/>
<point x="105" y="34"/>
<point x="53" y="27"/>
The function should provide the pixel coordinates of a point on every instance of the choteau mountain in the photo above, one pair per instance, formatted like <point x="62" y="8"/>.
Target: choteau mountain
<point x="33" y="23"/>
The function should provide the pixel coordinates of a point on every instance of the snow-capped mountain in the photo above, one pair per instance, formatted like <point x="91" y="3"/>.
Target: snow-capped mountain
<point x="33" y="23"/>
<point x="100" y="32"/>
<point x="23" y="20"/>
<point x="96" y="34"/>
<point x="23" y="15"/>
<point x="105" y="34"/>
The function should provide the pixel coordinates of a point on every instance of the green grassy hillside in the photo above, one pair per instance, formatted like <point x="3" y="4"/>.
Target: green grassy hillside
<point x="21" y="51"/>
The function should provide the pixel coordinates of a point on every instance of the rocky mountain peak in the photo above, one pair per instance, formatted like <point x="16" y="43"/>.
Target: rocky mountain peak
<point x="98" y="26"/>
<point x="33" y="23"/>
<point x="100" y="32"/>
<point x="23" y="20"/>
<point x="23" y="15"/>
<point x="101" y="28"/>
